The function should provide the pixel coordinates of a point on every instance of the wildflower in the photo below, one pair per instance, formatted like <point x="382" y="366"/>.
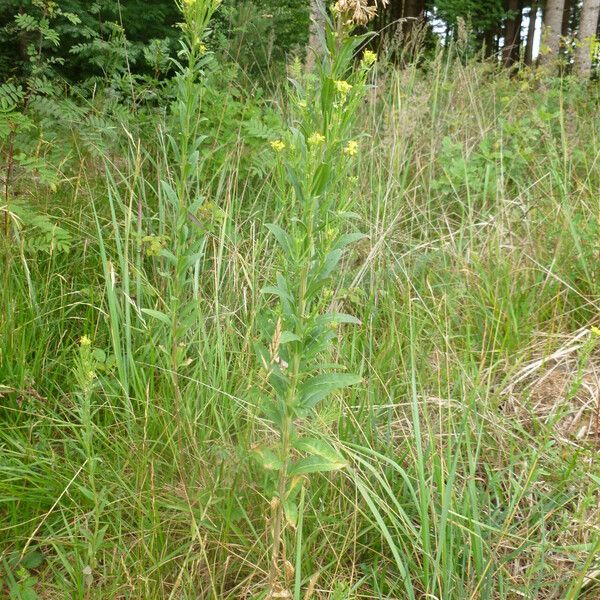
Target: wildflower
<point x="278" y="145"/>
<point x="84" y="341"/>
<point x="343" y="87"/>
<point x="351" y="148"/>
<point x="316" y="139"/>
<point x="154" y="244"/>
<point x="369" y="58"/>
<point x="92" y="375"/>
<point x="202" y="48"/>
<point x="596" y="331"/>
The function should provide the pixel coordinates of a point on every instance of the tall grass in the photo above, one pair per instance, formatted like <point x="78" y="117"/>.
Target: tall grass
<point x="469" y="476"/>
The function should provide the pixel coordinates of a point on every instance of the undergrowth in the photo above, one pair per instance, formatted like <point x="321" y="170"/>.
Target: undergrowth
<point x="133" y="403"/>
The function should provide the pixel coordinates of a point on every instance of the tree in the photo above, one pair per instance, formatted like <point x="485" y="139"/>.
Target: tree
<point x="317" y="27"/>
<point x="533" y="13"/>
<point x="590" y="12"/>
<point x="406" y="13"/>
<point x="397" y="22"/>
<point x="552" y="28"/>
<point x="512" y="32"/>
<point x="484" y="19"/>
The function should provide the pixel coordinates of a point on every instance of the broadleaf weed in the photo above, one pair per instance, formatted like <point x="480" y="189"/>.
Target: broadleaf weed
<point x="313" y="160"/>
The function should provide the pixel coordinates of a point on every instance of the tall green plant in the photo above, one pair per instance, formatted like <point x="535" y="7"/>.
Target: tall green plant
<point x="314" y="156"/>
<point x="182" y="188"/>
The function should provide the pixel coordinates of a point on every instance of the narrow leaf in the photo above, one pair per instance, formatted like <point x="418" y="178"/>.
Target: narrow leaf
<point x="318" y="447"/>
<point x="315" y="464"/>
<point x="268" y="459"/>
<point x="157" y="315"/>
<point x="290" y="508"/>
<point x="282" y="237"/>
<point x="315" y="389"/>
<point x="348" y="238"/>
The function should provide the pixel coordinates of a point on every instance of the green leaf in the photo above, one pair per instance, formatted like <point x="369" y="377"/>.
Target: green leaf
<point x="336" y="317"/>
<point x="32" y="560"/>
<point x="157" y="315"/>
<point x="170" y="193"/>
<point x="99" y="355"/>
<point x="283" y="238"/>
<point x="315" y="464"/>
<point x="295" y="181"/>
<point x="290" y="508"/>
<point x="268" y="459"/>
<point x="330" y="263"/>
<point x="280" y="289"/>
<point x="315" y="389"/>
<point x="318" y="447"/>
<point x="348" y="238"/>
<point x="287" y="337"/>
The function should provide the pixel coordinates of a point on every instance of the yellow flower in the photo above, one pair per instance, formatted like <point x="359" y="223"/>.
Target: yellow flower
<point x="369" y="58"/>
<point x="351" y="148"/>
<point x="316" y="139"/>
<point x="201" y="48"/>
<point x="595" y="331"/>
<point x="343" y="87"/>
<point x="278" y="145"/>
<point x="84" y="341"/>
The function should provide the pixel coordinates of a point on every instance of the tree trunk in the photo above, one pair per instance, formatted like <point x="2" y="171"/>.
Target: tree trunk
<point x="588" y="26"/>
<point x="533" y="13"/>
<point x="553" y="18"/>
<point x="406" y="14"/>
<point x="566" y="20"/>
<point x="512" y="33"/>
<point x="317" y="27"/>
<point x="488" y="42"/>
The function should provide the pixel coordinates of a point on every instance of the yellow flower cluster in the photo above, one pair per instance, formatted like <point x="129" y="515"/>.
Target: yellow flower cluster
<point x="84" y="341"/>
<point x="343" y="87"/>
<point x="154" y="244"/>
<point x="278" y="145"/>
<point x="316" y="139"/>
<point x="351" y="148"/>
<point x="369" y="58"/>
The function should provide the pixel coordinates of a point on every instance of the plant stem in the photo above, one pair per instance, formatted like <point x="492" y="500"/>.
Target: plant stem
<point x="287" y="429"/>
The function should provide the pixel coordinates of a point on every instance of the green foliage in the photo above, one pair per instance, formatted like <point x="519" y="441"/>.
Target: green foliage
<point x="263" y="35"/>
<point x="477" y="14"/>
<point x="81" y="39"/>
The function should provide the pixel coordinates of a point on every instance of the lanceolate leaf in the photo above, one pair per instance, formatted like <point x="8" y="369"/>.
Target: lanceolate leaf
<point x="315" y="389"/>
<point x="336" y="317"/>
<point x="157" y="315"/>
<point x="318" y="447"/>
<point x="348" y="238"/>
<point x="290" y="508"/>
<point x="315" y="464"/>
<point x="283" y="238"/>
<point x="288" y="336"/>
<point x="268" y="459"/>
